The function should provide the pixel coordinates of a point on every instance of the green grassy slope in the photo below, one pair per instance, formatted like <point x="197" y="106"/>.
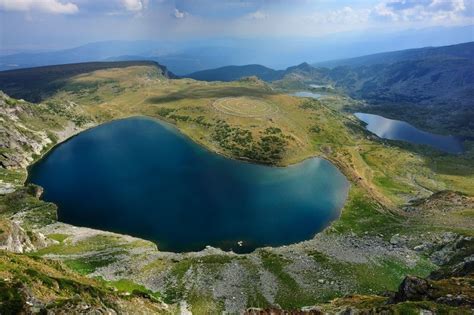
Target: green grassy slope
<point x="36" y="84"/>
<point x="34" y="285"/>
<point x="370" y="249"/>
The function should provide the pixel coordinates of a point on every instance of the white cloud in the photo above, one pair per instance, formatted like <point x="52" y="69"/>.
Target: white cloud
<point x="343" y="16"/>
<point x="135" y="5"/>
<point x="446" y="5"/>
<point x="420" y="10"/>
<point x="48" y="6"/>
<point x="347" y="15"/>
<point x="179" y="14"/>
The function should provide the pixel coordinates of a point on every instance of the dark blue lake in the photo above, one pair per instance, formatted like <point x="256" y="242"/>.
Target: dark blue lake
<point x="143" y="178"/>
<point x="400" y="130"/>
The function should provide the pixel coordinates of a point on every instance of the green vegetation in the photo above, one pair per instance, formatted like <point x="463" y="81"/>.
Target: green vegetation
<point x="366" y="276"/>
<point x="240" y="143"/>
<point x="88" y="265"/>
<point x="129" y="287"/>
<point x="25" y="83"/>
<point x="54" y="287"/>
<point x="204" y="304"/>
<point x="93" y="243"/>
<point x="36" y="213"/>
<point x="58" y="237"/>
<point x="289" y="295"/>
<point x="362" y="214"/>
<point x="386" y="177"/>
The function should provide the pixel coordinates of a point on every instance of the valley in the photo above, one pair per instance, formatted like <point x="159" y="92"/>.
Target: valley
<point x="409" y="209"/>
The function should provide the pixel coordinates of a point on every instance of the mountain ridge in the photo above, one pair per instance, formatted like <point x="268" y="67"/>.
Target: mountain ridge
<point x="29" y="83"/>
<point x="403" y="55"/>
<point x="183" y="57"/>
<point x="404" y="84"/>
<point x="456" y="51"/>
<point x="236" y="72"/>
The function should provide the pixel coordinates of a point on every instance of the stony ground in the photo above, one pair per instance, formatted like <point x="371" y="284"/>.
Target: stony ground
<point x="304" y="274"/>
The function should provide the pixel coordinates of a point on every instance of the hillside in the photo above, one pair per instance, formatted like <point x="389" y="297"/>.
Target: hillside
<point x="459" y="51"/>
<point x="407" y="85"/>
<point x="302" y="71"/>
<point x="408" y="90"/>
<point x="233" y="73"/>
<point x="35" y="84"/>
<point x="32" y="285"/>
<point x="395" y="221"/>
<point x="431" y="88"/>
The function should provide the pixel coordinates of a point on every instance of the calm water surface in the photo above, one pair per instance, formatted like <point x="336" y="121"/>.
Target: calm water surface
<point x="307" y="94"/>
<point x="400" y="130"/>
<point x="141" y="177"/>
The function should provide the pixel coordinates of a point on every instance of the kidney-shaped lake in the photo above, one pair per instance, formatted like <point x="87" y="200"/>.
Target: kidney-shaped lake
<point x="141" y="177"/>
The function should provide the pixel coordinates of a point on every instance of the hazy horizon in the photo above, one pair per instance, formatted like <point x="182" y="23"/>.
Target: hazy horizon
<point x="189" y="35"/>
<point x="60" y="24"/>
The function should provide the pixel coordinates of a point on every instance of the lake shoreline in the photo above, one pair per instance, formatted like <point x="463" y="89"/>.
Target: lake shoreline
<point x="175" y="131"/>
<point x="399" y="130"/>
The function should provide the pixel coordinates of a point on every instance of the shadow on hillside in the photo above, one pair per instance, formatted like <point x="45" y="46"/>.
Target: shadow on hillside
<point x="37" y="84"/>
<point x="209" y="92"/>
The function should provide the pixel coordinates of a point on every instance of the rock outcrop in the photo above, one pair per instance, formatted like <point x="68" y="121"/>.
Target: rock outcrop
<point x="27" y="130"/>
<point x="19" y="143"/>
<point x="453" y="291"/>
<point x="15" y="239"/>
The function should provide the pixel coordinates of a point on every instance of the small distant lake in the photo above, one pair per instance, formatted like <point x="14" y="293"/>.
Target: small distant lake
<point x="400" y="130"/>
<point x="307" y="94"/>
<point x="319" y="86"/>
<point x="141" y="177"/>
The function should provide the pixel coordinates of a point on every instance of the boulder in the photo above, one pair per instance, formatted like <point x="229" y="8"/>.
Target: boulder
<point x="413" y="289"/>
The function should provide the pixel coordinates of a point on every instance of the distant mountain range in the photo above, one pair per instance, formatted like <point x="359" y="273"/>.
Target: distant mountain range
<point x="436" y="83"/>
<point x="462" y="51"/>
<point x="184" y="57"/>
<point x="416" y="75"/>
<point x="233" y="73"/>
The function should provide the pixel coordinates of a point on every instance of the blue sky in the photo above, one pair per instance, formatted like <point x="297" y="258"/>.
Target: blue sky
<point x="53" y="24"/>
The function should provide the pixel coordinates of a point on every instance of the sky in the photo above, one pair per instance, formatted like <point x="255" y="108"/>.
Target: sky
<point x="55" y="24"/>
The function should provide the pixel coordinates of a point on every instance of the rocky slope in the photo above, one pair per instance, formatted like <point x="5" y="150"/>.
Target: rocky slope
<point x="284" y="276"/>
<point x="32" y="285"/>
<point x="28" y="130"/>
<point x="19" y="142"/>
